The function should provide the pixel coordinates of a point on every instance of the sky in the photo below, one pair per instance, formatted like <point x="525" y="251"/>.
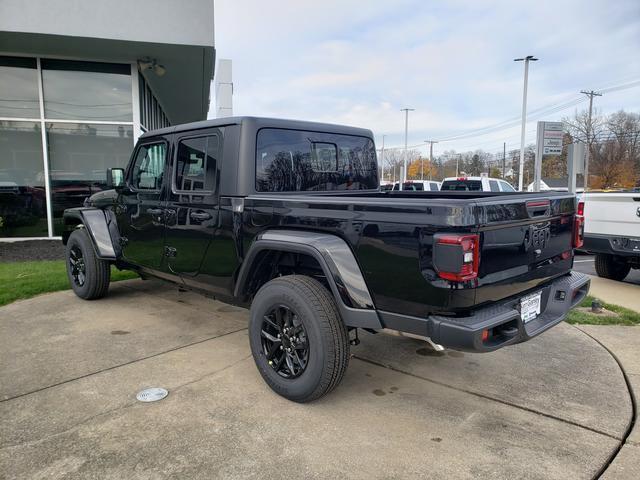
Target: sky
<point x="359" y="62"/>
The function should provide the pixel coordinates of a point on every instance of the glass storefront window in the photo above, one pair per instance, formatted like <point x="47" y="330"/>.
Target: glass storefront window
<point x="86" y="90"/>
<point x="79" y="155"/>
<point x="19" y="88"/>
<point x="23" y="206"/>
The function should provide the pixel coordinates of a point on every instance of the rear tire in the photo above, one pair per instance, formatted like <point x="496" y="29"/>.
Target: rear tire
<point x="88" y="275"/>
<point x="296" y="313"/>
<point x="611" y="267"/>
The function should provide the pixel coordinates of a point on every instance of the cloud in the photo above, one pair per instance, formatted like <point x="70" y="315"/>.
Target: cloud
<point x="360" y="63"/>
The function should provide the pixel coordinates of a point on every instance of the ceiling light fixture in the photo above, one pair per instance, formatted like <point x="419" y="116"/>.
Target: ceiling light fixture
<point x="153" y="65"/>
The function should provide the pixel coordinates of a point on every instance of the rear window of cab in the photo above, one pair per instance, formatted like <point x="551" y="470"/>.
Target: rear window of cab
<point x="462" y="185"/>
<point x="301" y="161"/>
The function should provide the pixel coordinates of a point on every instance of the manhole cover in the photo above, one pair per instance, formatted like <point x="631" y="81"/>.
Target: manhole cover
<point x="152" y="394"/>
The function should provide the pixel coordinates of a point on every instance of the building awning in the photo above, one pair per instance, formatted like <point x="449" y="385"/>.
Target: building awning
<point x="183" y="90"/>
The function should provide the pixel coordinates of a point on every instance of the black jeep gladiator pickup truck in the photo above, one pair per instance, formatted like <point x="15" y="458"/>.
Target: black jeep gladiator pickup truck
<point x="287" y="217"/>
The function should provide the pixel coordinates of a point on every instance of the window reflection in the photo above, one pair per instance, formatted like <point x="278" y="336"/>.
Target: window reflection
<point x="196" y="164"/>
<point x="148" y="169"/>
<point x="292" y="160"/>
<point x="23" y="211"/>
<point x="19" y="88"/>
<point x="79" y="155"/>
<point x="86" y="90"/>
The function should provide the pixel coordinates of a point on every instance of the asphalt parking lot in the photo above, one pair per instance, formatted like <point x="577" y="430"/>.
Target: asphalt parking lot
<point x="555" y="407"/>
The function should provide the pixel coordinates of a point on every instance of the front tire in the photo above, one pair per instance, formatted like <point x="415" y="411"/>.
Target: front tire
<point x="88" y="275"/>
<point x="298" y="340"/>
<point x="611" y="267"/>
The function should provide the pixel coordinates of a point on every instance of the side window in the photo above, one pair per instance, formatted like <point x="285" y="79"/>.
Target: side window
<point x="148" y="168"/>
<point x="493" y="185"/>
<point x="506" y="187"/>
<point x="434" y="187"/>
<point x="196" y="164"/>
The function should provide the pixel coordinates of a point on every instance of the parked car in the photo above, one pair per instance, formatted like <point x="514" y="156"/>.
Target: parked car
<point x="418" y="185"/>
<point x="285" y="217"/>
<point x="612" y="231"/>
<point x="476" y="184"/>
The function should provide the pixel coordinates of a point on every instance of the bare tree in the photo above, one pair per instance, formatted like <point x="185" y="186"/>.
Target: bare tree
<point x="394" y="161"/>
<point x="614" y="147"/>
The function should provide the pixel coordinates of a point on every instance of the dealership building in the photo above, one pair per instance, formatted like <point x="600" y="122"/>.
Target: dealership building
<point x="79" y="83"/>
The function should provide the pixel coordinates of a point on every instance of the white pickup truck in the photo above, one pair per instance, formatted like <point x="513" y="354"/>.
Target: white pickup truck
<point x="612" y="231"/>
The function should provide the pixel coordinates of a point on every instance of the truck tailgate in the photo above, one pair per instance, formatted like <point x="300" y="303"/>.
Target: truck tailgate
<point x="525" y="242"/>
<point x="612" y="214"/>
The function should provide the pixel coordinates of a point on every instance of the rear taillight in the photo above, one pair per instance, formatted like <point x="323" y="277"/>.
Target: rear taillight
<point x="580" y="209"/>
<point x="578" y="232"/>
<point x="456" y="257"/>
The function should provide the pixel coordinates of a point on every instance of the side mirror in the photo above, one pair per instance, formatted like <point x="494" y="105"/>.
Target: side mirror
<point x="115" y="177"/>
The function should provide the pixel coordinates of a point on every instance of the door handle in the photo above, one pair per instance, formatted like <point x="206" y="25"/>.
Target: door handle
<point x="200" y="216"/>
<point x="155" y="211"/>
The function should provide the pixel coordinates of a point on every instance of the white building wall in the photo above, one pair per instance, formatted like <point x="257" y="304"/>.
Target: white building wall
<point x="188" y="22"/>
<point x="224" y="89"/>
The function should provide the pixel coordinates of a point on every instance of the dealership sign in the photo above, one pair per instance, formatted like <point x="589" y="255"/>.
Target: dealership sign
<point x="549" y="138"/>
<point x="549" y="142"/>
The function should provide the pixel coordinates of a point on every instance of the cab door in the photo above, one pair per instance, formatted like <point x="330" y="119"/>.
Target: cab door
<point x="140" y="206"/>
<point x="192" y="208"/>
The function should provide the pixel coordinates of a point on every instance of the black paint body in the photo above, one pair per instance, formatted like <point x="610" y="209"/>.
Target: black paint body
<point x="205" y="241"/>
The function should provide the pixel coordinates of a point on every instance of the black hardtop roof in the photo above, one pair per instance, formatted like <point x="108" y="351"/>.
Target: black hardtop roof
<point x="257" y="123"/>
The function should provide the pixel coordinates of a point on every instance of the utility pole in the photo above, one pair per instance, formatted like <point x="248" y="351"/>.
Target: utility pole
<point x="504" y="157"/>
<point x="382" y="157"/>
<point x="526" y="60"/>
<point x="406" y="134"/>
<point x="430" y="142"/>
<point x="590" y="94"/>
<point x="458" y="157"/>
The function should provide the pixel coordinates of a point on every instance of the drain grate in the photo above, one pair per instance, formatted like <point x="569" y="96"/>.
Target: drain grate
<point x="152" y="394"/>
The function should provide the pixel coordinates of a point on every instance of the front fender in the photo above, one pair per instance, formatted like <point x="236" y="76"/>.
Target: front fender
<point x="99" y="223"/>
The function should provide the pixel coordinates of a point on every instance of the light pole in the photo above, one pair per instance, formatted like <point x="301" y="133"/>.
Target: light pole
<point x="406" y="133"/>
<point x="526" y="60"/>
<point x="430" y="142"/>
<point x="382" y="157"/>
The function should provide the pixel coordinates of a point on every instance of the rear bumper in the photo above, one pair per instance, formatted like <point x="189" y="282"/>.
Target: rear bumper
<point x="502" y="320"/>
<point x="622" y="246"/>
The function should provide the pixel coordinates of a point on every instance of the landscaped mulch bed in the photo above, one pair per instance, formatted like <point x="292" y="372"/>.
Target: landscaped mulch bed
<point x="29" y="250"/>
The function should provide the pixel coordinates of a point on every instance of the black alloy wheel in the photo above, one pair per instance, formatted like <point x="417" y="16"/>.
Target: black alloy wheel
<point x="77" y="268"/>
<point x="88" y="275"/>
<point x="284" y="342"/>
<point x="297" y="338"/>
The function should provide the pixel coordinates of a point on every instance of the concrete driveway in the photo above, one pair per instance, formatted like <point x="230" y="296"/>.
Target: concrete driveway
<point x="555" y="407"/>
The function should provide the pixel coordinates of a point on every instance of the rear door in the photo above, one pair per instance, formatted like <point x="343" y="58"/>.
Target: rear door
<point x="192" y="209"/>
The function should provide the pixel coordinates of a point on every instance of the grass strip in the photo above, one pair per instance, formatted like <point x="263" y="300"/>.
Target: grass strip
<point x="20" y="280"/>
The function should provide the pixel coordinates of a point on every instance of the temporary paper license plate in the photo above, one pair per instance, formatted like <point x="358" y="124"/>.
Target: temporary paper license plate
<point x="530" y="306"/>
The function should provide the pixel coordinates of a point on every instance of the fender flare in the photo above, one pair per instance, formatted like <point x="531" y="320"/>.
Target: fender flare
<point x="98" y="224"/>
<point x="337" y="262"/>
